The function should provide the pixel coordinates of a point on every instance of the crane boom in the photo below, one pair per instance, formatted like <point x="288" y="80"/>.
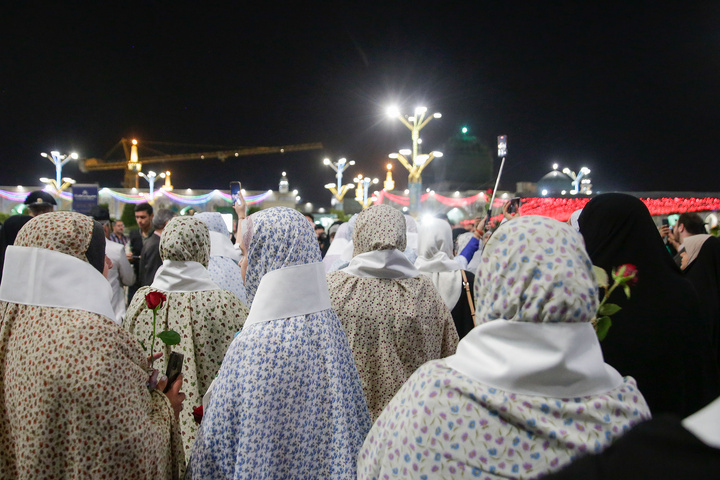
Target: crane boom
<point x="95" y="164"/>
<point x="133" y="162"/>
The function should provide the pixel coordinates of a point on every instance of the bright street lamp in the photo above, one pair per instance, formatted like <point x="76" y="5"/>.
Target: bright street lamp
<point x="59" y="160"/>
<point x="417" y="162"/>
<point x="339" y="190"/>
<point x="150" y="177"/>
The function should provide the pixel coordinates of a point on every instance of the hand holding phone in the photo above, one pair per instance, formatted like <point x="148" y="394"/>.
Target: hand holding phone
<point x="174" y="368"/>
<point x="235" y="192"/>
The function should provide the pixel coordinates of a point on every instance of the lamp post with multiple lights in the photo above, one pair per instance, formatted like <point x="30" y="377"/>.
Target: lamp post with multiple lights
<point x="338" y="189"/>
<point x="417" y="162"/>
<point x="150" y="177"/>
<point x="361" y="191"/>
<point x="580" y="185"/>
<point x="59" y="160"/>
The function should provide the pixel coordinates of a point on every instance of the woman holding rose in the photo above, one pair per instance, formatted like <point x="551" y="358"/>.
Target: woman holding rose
<point x="74" y="385"/>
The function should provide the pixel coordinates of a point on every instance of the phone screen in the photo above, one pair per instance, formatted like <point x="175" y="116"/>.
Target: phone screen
<point x="235" y="192"/>
<point x="514" y="205"/>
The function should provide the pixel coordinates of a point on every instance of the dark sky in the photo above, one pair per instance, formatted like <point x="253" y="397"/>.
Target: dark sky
<point x="629" y="89"/>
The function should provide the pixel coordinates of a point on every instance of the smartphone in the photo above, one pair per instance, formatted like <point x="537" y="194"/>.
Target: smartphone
<point x="514" y="205"/>
<point x="174" y="369"/>
<point x="665" y="222"/>
<point x="235" y="192"/>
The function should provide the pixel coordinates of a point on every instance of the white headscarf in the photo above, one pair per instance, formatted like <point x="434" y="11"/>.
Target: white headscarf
<point x="435" y="259"/>
<point x="379" y="240"/>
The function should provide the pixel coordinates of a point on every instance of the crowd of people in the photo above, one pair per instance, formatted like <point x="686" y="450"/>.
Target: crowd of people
<point x="383" y="349"/>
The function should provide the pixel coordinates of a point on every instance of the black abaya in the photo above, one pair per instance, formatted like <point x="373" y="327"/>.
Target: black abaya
<point x="660" y="337"/>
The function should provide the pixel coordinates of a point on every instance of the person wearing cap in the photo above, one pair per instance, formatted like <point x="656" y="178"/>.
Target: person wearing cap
<point x="120" y="273"/>
<point x="39" y="202"/>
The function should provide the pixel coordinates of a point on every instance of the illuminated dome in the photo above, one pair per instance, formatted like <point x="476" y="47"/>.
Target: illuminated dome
<point x="554" y="183"/>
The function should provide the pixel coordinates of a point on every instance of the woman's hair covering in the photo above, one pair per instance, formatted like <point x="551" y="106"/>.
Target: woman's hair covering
<point x="96" y="250"/>
<point x="535" y="269"/>
<point x="64" y="232"/>
<point x="214" y="222"/>
<point x="81" y="403"/>
<point x="274" y="240"/>
<point x="287" y="402"/>
<point x="435" y="241"/>
<point x="185" y="239"/>
<point x="660" y="336"/>
<point x="380" y="227"/>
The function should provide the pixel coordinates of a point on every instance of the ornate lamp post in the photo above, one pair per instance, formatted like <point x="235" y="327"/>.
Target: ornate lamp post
<point x="150" y="177"/>
<point x="580" y="185"/>
<point x="361" y="191"/>
<point x="66" y="182"/>
<point x="417" y="162"/>
<point x="59" y="160"/>
<point x="338" y="189"/>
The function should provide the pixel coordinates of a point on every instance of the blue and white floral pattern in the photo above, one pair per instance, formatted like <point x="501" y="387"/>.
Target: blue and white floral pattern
<point x="223" y="270"/>
<point x="287" y="402"/>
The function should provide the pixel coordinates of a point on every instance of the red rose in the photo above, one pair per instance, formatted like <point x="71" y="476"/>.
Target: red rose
<point x="628" y="273"/>
<point x="198" y="414"/>
<point x="155" y="300"/>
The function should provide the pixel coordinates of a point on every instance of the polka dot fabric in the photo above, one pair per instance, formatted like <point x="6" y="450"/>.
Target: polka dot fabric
<point x="185" y="239"/>
<point x="380" y="227"/>
<point x="207" y="321"/>
<point x="64" y="232"/>
<point x="287" y="402"/>
<point x="73" y="388"/>
<point x="393" y="325"/>
<point x="535" y="269"/>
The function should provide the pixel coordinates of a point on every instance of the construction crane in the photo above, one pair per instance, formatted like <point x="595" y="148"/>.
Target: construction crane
<point x="133" y="163"/>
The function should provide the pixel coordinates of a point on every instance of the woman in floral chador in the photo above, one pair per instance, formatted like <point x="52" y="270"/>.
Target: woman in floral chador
<point x="73" y="384"/>
<point x="206" y="317"/>
<point x="393" y="316"/>
<point x="527" y="390"/>
<point x="287" y="402"/>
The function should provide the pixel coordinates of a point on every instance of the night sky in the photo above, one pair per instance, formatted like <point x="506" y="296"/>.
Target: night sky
<point x="628" y="89"/>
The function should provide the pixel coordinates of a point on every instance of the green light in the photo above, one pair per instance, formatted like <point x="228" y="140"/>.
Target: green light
<point x="464" y="130"/>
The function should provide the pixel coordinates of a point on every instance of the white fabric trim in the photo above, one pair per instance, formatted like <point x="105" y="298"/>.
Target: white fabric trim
<point x="46" y="278"/>
<point x="704" y="424"/>
<point x="335" y="252"/>
<point x="412" y="240"/>
<point x="221" y="246"/>
<point x="381" y="264"/>
<point x="290" y="292"/>
<point x="448" y="285"/>
<point x="181" y="276"/>
<point x="440" y="262"/>
<point x="559" y="360"/>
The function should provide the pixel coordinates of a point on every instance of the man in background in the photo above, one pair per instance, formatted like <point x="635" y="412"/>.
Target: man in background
<point x="143" y="217"/>
<point x="39" y="202"/>
<point x="150" y="259"/>
<point x="118" y="233"/>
